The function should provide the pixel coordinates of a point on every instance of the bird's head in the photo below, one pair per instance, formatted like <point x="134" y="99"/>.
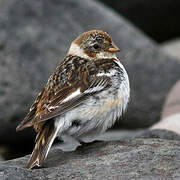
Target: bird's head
<point x="93" y="44"/>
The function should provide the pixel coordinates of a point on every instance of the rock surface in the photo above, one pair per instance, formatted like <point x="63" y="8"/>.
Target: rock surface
<point x="34" y="37"/>
<point x="70" y="144"/>
<point x="172" y="48"/>
<point x="155" y="134"/>
<point x="158" y="134"/>
<point x="123" y="159"/>
<point x="1" y="158"/>
<point x="172" y="103"/>
<point x="171" y="111"/>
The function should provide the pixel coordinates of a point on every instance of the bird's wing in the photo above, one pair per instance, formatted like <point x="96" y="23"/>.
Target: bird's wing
<point x="79" y="83"/>
<point x="26" y="121"/>
<point x="69" y="99"/>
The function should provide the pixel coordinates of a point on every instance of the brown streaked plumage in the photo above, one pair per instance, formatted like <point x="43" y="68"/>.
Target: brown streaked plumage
<point x="86" y="73"/>
<point x="91" y="34"/>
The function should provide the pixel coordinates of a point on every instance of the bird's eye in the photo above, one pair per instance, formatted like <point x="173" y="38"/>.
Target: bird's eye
<point x="96" y="46"/>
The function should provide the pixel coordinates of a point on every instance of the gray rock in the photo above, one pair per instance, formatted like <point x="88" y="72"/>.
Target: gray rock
<point x="146" y="133"/>
<point x="69" y="144"/>
<point x="172" y="47"/>
<point x="158" y="134"/>
<point x="1" y="158"/>
<point x="35" y="36"/>
<point x="125" y="159"/>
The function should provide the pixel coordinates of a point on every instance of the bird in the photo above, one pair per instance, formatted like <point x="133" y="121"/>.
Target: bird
<point x="83" y="97"/>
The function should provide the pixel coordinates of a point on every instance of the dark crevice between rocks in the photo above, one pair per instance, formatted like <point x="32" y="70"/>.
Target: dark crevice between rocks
<point x="158" y="19"/>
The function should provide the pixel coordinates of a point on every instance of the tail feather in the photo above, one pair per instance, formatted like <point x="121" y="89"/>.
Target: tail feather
<point x="45" y="137"/>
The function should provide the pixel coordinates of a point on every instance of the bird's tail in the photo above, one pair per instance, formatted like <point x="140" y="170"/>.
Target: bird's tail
<point x="44" y="139"/>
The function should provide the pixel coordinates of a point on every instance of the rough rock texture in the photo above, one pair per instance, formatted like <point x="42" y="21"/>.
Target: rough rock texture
<point x="158" y="134"/>
<point x="123" y="159"/>
<point x="34" y="37"/>
<point x="157" y="18"/>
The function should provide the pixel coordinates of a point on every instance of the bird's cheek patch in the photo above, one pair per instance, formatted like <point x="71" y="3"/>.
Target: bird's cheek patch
<point x="90" y="54"/>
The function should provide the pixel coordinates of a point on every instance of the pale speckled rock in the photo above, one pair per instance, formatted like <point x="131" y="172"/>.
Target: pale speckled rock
<point x="172" y="47"/>
<point x="170" y="123"/>
<point x="124" y="159"/>
<point x="171" y="111"/>
<point x="172" y="103"/>
<point x="34" y="37"/>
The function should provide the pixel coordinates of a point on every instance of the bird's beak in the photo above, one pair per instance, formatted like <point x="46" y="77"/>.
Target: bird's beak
<point x="113" y="48"/>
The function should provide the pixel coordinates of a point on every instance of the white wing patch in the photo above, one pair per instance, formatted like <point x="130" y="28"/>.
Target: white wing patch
<point x="109" y="74"/>
<point x="94" y="89"/>
<point x="74" y="94"/>
<point x="52" y="107"/>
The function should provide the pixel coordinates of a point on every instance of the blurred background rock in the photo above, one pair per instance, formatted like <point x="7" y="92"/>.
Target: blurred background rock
<point x="35" y="36"/>
<point x="157" y="19"/>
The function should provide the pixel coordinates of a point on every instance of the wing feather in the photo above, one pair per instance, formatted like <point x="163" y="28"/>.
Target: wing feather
<point x="59" y="109"/>
<point x="62" y="83"/>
